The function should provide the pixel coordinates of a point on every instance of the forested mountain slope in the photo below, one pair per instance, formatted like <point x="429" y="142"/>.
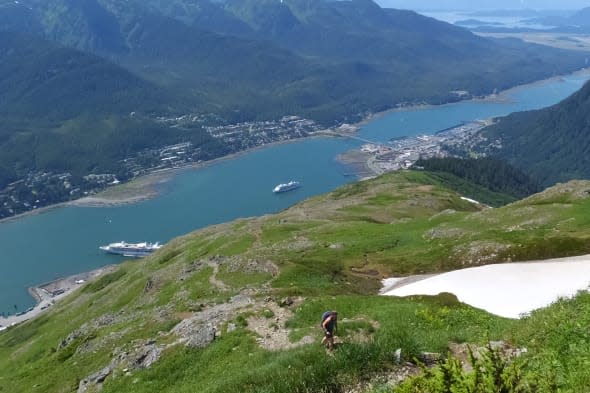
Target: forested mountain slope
<point x="329" y="60"/>
<point x="552" y="144"/>
<point x="39" y="79"/>
<point x="63" y="110"/>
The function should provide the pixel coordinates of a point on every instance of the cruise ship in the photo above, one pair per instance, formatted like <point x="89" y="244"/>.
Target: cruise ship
<point x="284" y="187"/>
<point x="136" y="250"/>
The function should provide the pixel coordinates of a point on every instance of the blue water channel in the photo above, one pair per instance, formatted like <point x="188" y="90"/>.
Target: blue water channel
<point x="63" y="241"/>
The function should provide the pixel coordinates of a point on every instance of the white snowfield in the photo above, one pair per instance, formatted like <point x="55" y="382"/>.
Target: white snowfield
<point x="509" y="290"/>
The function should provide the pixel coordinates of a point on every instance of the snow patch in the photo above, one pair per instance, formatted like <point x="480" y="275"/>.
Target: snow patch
<point x="509" y="290"/>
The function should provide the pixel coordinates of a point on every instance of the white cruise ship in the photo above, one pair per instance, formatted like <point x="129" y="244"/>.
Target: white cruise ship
<point x="131" y="249"/>
<point x="284" y="187"/>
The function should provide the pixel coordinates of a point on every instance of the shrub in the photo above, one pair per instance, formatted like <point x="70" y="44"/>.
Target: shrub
<point x="491" y="372"/>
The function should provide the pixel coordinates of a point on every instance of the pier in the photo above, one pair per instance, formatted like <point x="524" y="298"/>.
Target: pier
<point x="47" y="294"/>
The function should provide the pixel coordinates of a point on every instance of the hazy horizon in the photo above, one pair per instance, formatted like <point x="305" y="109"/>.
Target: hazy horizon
<point x="483" y="4"/>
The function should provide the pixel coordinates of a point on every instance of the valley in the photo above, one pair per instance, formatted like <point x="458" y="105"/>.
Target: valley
<point x="93" y="106"/>
<point x="182" y="200"/>
<point x="440" y="200"/>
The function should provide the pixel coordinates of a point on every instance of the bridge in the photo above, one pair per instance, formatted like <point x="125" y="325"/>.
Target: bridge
<point x="351" y="136"/>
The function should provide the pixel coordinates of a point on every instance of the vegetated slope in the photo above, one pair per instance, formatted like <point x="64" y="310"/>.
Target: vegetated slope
<point x="41" y="80"/>
<point x="63" y="110"/>
<point x="329" y="60"/>
<point x="151" y="322"/>
<point x="551" y="144"/>
<point x="489" y="173"/>
<point x="409" y="48"/>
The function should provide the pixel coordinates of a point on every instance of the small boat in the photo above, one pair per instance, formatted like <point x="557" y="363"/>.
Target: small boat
<point x="284" y="187"/>
<point x="131" y="249"/>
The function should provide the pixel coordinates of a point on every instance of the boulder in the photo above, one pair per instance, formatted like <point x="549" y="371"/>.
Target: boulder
<point x="95" y="379"/>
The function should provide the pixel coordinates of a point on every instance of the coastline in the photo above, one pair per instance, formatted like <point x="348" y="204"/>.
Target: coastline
<point x="499" y="97"/>
<point x="144" y="187"/>
<point x="131" y="192"/>
<point x="47" y="294"/>
<point x="359" y="162"/>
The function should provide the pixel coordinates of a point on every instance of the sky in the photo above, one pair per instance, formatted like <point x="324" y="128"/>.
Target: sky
<point x="483" y="4"/>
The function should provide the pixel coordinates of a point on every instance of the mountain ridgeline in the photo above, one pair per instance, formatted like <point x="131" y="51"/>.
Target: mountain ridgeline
<point x="106" y="72"/>
<point x="551" y="145"/>
<point x="328" y="60"/>
<point x="579" y="22"/>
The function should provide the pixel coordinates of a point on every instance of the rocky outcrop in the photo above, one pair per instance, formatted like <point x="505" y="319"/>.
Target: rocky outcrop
<point x="201" y="329"/>
<point x="141" y="355"/>
<point x="94" y="380"/>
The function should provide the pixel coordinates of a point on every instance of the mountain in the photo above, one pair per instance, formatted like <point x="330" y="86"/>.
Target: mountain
<point x="551" y="144"/>
<point x="353" y="30"/>
<point x="403" y="49"/>
<point x="236" y="307"/>
<point x="75" y="71"/>
<point x="41" y="80"/>
<point x="581" y="18"/>
<point x="579" y="22"/>
<point x="491" y="174"/>
<point x="64" y="110"/>
<point x="327" y="60"/>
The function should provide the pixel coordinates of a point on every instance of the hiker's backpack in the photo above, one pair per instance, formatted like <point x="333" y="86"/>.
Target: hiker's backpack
<point x="324" y="317"/>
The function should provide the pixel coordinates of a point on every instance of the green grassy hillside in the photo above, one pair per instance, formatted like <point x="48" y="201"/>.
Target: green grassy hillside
<point x="150" y="323"/>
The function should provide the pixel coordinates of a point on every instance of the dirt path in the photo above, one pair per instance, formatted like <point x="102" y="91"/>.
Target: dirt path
<point x="273" y="335"/>
<point x="213" y="277"/>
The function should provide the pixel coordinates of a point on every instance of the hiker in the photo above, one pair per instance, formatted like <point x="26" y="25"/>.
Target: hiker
<point x="329" y="322"/>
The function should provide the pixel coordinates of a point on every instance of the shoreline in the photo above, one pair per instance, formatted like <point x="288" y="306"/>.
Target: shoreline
<point x="148" y="182"/>
<point x="46" y="295"/>
<point x="161" y="176"/>
<point x="499" y="97"/>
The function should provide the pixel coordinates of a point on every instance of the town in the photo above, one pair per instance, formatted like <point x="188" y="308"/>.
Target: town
<point x="39" y="189"/>
<point x="402" y="153"/>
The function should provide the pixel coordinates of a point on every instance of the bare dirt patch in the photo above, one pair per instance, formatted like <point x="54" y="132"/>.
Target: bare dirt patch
<point x="424" y="188"/>
<point x="271" y="330"/>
